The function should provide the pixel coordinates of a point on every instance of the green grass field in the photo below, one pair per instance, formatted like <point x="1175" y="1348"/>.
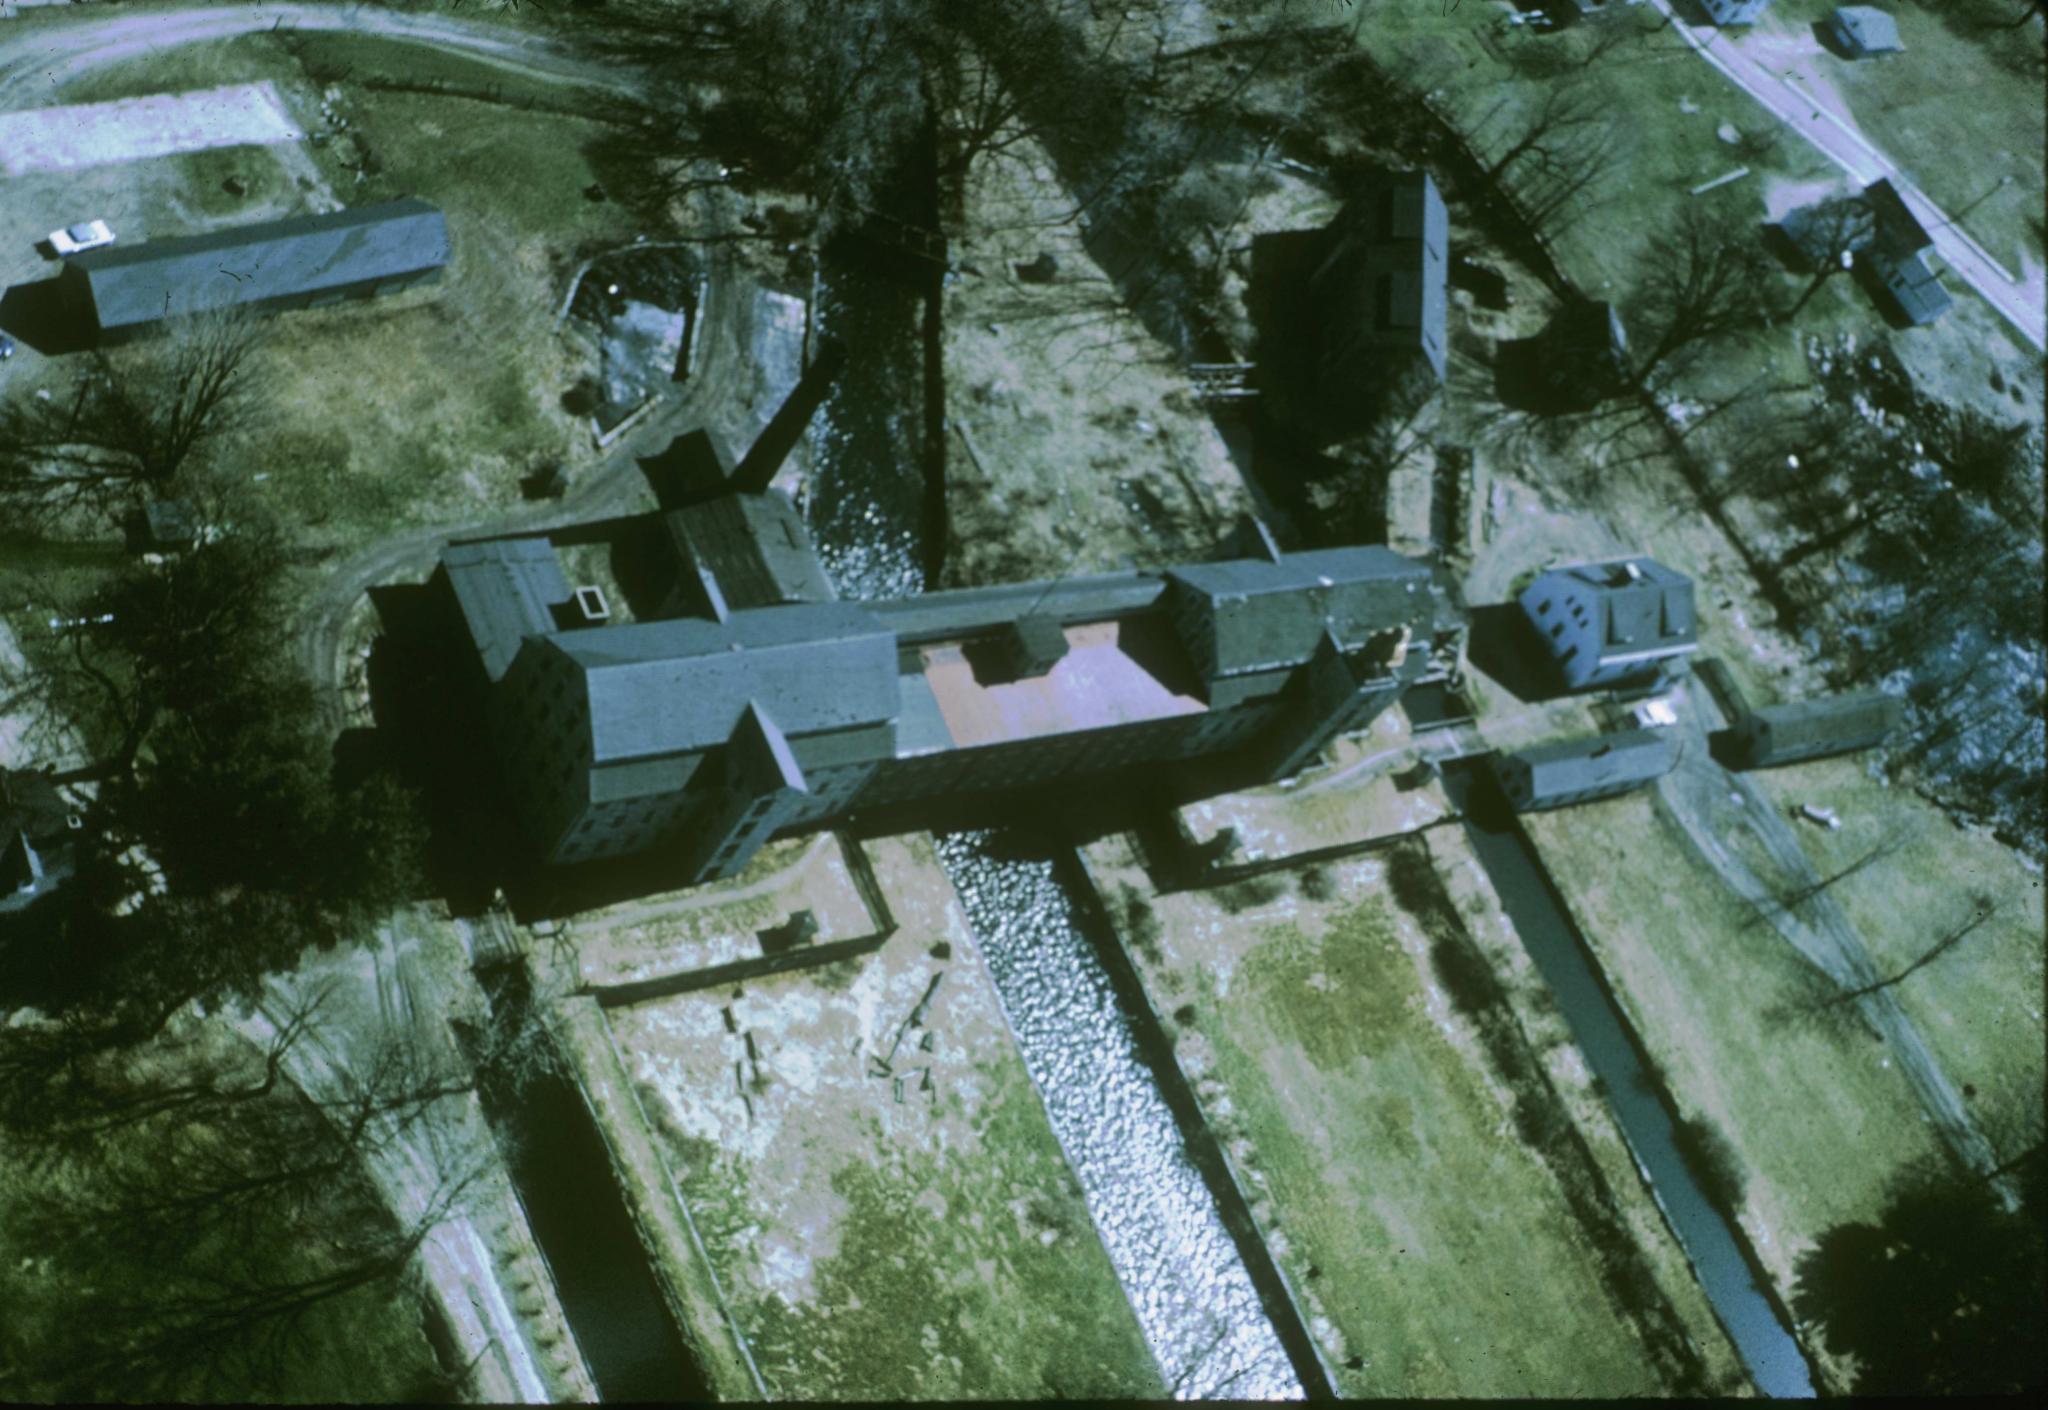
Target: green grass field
<point x="1378" y="1144"/>
<point x="1979" y="1005"/>
<point x="1958" y="111"/>
<point x="1818" y="1118"/>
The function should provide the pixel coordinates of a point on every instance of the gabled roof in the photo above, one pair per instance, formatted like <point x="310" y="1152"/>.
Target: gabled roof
<point x="1834" y="721"/>
<point x="1899" y="231"/>
<point x="1264" y="615"/>
<point x="1599" y="761"/>
<point x="1916" y="289"/>
<point x="504" y="589"/>
<point x="143" y="283"/>
<point x="681" y="686"/>
<point x="1869" y="29"/>
<point x="755" y="545"/>
<point x="1384" y="277"/>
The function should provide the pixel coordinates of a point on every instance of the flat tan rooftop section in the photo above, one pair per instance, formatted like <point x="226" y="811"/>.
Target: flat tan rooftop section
<point x="132" y="129"/>
<point x="1096" y="684"/>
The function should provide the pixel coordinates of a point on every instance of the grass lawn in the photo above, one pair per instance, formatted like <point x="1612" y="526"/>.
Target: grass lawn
<point x="1378" y="1144"/>
<point x="1817" y="1117"/>
<point x="1979" y="1005"/>
<point x="878" y="1238"/>
<point x="1957" y="112"/>
<point x="427" y="406"/>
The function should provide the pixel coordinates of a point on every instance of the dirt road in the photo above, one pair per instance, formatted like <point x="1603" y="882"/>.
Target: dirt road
<point x="1709" y="803"/>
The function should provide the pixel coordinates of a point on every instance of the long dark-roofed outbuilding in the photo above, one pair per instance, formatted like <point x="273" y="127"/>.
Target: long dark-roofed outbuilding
<point x="299" y="262"/>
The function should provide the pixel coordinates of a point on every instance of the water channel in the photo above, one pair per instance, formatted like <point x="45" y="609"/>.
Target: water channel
<point x="563" y="1173"/>
<point x="1194" y="1302"/>
<point x="1733" y="1285"/>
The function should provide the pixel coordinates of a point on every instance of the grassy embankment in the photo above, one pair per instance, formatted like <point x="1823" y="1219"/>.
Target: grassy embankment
<point x="1817" y="1116"/>
<point x="1389" y="1127"/>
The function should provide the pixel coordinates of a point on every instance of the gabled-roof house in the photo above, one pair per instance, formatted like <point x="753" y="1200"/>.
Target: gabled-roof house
<point x="1603" y="624"/>
<point x="1566" y="771"/>
<point x="1898" y="276"/>
<point x="1381" y="287"/>
<point x="302" y="261"/>
<point x="1863" y="31"/>
<point x="1811" y="729"/>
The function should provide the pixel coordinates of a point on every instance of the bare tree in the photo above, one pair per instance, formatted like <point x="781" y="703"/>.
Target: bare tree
<point x="1566" y="112"/>
<point x="136" y="418"/>
<point x="1792" y="899"/>
<point x="1828" y="237"/>
<point x="1699" y="286"/>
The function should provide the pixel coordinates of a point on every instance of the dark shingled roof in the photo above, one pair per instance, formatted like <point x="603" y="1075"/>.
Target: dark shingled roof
<point x="965" y="612"/>
<point x="1384" y="279"/>
<point x="1899" y="231"/>
<point x="1643" y="611"/>
<point x="1830" y="724"/>
<point x="755" y="547"/>
<point x="1591" y="763"/>
<point x="504" y="590"/>
<point x="1266" y="615"/>
<point x="1915" y="289"/>
<point x="251" y="264"/>
<point x="681" y="686"/>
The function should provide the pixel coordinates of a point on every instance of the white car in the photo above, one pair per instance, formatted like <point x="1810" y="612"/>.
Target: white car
<point x="88" y="236"/>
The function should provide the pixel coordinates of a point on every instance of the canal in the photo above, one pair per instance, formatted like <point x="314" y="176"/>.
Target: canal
<point x="563" y="1173"/>
<point x="1726" y="1270"/>
<point x="868" y="512"/>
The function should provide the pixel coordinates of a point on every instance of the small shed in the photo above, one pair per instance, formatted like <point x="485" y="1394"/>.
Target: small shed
<point x="1863" y="31"/>
<point x="1567" y="771"/>
<point x="1908" y="288"/>
<point x="163" y="526"/>
<point x="1812" y="729"/>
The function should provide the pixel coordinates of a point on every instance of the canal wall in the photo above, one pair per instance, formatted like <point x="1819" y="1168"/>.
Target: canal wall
<point x="653" y="1201"/>
<point x="1204" y="1152"/>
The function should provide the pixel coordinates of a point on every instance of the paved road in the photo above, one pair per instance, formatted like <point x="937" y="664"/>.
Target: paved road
<point x="1709" y="803"/>
<point x="1836" y="138"/>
